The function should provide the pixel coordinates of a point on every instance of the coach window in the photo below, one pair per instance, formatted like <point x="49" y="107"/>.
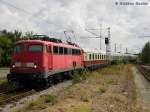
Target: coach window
<point x="65" y="51"/>
<point x="93" y="57"/>
<point x="35" y="48"/>
<point x="60" y="50"/>
<point x="89" y="56"/>
<point x="55" y="49"/>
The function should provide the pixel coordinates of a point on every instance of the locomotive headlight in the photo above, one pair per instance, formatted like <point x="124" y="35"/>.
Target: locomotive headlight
<point x="13" y="66"/>
<point x="35" y="66"/>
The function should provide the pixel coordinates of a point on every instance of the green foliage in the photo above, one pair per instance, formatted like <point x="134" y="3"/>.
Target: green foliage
<point x="145" y="54"/>
<point x="36" y="103"/>
<point x="114" y="62"/>
<point x="48" y="98"/>
<point x="77" y="77"/>
<point x="6" y="43"/>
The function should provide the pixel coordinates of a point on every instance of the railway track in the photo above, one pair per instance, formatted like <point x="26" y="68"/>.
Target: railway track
<point x="11" y="94"/>
<point x="12" y="97"/>
<point x="145" y="70"/>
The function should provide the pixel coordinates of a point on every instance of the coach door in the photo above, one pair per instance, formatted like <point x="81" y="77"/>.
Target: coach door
<point x="49" y="57"/>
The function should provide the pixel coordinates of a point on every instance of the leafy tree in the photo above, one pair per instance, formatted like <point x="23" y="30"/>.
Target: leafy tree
<point x="6" y="43"/>
<point x="17" y="35"/>
<point x="145" y="55"/>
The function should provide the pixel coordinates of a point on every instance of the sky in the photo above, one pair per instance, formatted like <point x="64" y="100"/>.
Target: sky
<point x="128" y="23"/>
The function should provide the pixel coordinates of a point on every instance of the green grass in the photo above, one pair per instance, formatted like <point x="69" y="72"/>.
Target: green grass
<point x="77" y="77"/>
<point x="37" y="104"/>
<point x="4" y="68"/>
<point x="3" y="80"/>
<point x="81" y="108"/>
<point x="48" y="98"/>
<point x="102" y="89"/>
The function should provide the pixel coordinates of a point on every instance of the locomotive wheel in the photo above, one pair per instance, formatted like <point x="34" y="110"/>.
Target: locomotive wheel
<point x="60" y="77"/>
<point x="50" y="80"/>
<point x="44" y="83"/>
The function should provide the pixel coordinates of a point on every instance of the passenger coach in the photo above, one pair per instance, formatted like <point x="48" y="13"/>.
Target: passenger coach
<point x="94" y="59"/>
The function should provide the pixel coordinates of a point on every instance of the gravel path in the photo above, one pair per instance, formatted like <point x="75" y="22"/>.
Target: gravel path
<point x="143" y="87"/>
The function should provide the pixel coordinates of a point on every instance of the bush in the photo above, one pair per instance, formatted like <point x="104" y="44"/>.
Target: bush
<point x="145" y="55"/>
<point x="77" y="77"/>
<point x="34" y="102"/>
<point x="48" y="98"/>
<point x="114" y="62"/>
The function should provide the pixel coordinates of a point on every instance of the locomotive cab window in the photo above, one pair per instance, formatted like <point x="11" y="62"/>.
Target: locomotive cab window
<point x="18" y="48"/>
<point x="35" y="48"/>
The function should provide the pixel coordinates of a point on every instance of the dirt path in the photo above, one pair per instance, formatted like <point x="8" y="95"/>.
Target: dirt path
<point x="143" y="87"/>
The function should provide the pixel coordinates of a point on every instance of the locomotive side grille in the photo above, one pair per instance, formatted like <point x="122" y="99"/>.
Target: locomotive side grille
<point x="17" y="64"/>
<point x="30" y="64"/>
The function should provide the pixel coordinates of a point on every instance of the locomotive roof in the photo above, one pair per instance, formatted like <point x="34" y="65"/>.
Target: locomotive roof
<point x="47" y="42"/>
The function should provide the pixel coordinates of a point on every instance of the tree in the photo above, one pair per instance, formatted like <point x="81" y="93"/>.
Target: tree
<point x="145" y="55"/>
<point x="7" y="40"/>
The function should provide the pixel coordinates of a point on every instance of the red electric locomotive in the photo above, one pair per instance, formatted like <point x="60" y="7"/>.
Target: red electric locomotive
<point x="41" y="59"/>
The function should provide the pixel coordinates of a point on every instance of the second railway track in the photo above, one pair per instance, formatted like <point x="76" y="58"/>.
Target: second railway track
<point x="8" y="95"/>
<point x="145" y="70"/>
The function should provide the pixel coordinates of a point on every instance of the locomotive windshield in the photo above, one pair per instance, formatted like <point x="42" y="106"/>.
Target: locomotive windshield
<point x="35" y="48"/>
<point x="18" y="48"/>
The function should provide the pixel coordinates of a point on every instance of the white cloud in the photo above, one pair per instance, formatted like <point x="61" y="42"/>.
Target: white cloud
<point x="54" y="16"/>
